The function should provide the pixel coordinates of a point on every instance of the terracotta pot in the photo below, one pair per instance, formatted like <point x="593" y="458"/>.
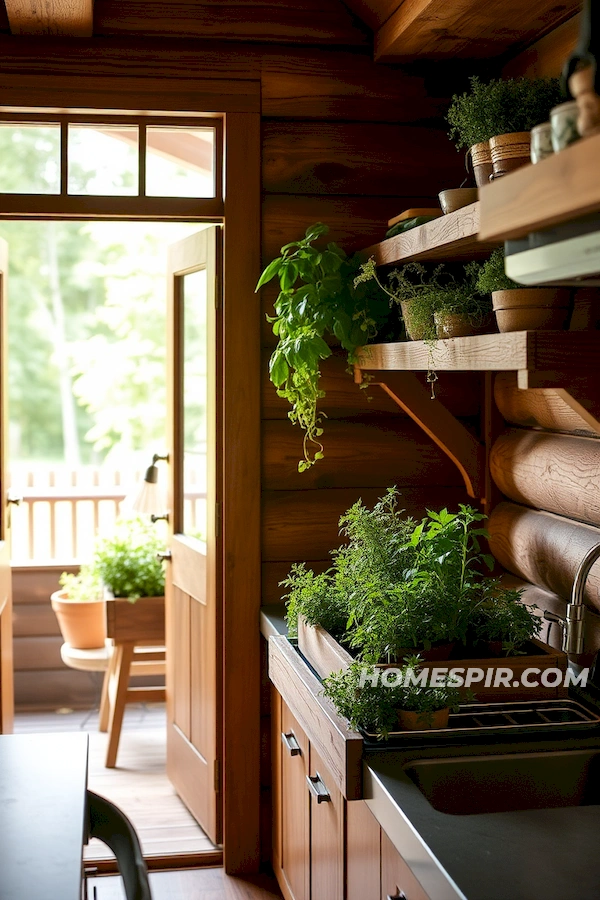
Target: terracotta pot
<point x="510" y="152"/>
<point x="418" y="721"/>
<point x="481" y="160"/>
<point x="414" y="332"/>
<point x="531" y="309"/>
<point x="581" y="85"/>
<point x="82" y="624"/>
<point x="451" y="325"/>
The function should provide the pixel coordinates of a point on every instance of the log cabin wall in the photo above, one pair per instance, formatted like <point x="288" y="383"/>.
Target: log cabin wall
<point x="546" y="462"/>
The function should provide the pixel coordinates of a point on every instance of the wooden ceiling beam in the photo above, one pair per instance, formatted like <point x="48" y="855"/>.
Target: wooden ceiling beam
<point x="467" y="29"/>
<point x="66" y="17"/>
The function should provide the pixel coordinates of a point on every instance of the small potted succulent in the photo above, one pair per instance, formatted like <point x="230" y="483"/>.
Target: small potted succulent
<point x="519" y="308"/>
<point x="493" y="121"/>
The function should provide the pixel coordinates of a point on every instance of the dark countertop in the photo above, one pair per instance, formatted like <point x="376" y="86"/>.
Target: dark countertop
<point x="543" y="854"/>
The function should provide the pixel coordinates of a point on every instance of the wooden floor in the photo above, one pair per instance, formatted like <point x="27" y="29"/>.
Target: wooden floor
<point x="139" y="785"/>
<point x="195" y="884"/>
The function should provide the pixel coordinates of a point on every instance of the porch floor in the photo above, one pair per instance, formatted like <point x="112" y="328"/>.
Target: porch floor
<point x="139" y="785"/>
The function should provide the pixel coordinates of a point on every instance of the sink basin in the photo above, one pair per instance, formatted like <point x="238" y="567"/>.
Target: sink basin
<point x="468" y="785"/>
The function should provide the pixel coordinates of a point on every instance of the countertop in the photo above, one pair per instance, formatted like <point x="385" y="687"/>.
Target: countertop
<point x="543" y="854"/>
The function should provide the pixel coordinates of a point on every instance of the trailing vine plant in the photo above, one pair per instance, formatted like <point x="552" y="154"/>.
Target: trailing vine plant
<point x="317" y="299"/>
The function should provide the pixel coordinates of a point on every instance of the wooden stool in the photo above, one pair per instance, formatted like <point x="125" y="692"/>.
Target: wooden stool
<point x="118" y="662"/>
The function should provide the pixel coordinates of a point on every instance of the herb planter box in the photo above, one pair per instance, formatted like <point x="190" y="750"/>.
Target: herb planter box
<point x="326" y="655"/>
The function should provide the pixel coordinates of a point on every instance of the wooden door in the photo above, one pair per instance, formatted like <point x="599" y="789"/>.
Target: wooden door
<point x="193" y="589"/>
<point x="6" y="637"/>
<point x="294" y="851"/>
<point x="326" y="833"/>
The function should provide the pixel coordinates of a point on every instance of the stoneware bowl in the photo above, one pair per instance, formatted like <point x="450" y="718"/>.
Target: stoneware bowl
<point x="456" y="198"/>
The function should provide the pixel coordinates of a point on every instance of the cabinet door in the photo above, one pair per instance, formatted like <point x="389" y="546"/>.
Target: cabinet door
<point x="397" y="880"/>
<point x="293" y="850"/>
<point x="363" y="852"/>
<point x="326" y="833"/>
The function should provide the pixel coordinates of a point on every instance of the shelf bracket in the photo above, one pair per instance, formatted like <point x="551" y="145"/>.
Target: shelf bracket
<point x="579" y="390"/>
<point x="448" y="432"/>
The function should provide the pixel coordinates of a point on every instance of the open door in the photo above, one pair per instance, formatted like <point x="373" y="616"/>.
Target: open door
<point x="6" y="637"/>
<point x="193" y="589"/>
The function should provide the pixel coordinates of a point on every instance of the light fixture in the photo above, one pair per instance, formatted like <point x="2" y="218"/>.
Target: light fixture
<point x="151" y="499"/>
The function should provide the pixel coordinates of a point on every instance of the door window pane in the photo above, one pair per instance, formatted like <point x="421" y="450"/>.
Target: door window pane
<point x="29" y="159"/>
<point x="180" y="162"/>
<point x="195" y="396"/>
<point x="103" y="160"/>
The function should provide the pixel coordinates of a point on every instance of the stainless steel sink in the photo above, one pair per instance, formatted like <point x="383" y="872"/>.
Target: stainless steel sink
<point x="468" y="785"/>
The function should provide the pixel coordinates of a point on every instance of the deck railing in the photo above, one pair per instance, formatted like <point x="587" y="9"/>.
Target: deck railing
<point x="63" y="510"/>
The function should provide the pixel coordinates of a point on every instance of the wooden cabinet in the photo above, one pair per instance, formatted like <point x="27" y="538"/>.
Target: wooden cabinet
<point x="363" y="853"/>
<point x="326" y="832"/>
<point x="397" y="880"/>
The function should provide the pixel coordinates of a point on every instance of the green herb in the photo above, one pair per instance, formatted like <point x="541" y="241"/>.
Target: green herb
<point x="492" y="276"/>
<point x="315" y="598"/>
<point x="500" y="616"/>
<point x="317" y="299"/>
<point x="501" y="106"/>
<point x="85" y="586"/>
<point x="126" y="561"/>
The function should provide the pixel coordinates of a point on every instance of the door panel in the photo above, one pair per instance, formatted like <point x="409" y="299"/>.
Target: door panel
<point x="194" y="682"/>
<point x="295" y="807"/>
<point x="326" y="835"/>
<point x="6" y="637"/>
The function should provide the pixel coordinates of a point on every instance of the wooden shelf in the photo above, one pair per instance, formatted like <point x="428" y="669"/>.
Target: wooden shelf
<point x="562" y="187"/>
<point x="451" y="237"/>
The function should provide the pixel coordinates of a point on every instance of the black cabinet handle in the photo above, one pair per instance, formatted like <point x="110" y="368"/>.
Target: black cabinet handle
<point x="318" y="789"/>
<point x="399" y="895"/>
<point x="289" y="740"/>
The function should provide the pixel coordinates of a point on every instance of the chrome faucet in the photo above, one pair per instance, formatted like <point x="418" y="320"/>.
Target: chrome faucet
<point x="572" y="625"/>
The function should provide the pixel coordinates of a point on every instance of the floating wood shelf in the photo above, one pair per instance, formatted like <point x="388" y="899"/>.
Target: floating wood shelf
<point x="451" y="237"/>
<point x="562" y="187"/>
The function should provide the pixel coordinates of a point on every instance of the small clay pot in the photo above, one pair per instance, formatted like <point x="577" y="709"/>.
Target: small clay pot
<point x="510" y="152"/>
<point x="408" y="720"/>
<point x="481" y="160"/>
<point x="581" y="85"/>
<point x="452" y="325"/>
<point x="415" y="332"/>
<point x="82" y="624"/>
<point x="531" y="309"/>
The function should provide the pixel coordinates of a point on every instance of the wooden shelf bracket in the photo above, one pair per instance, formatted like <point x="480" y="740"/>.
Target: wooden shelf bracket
<point x="579" y="390"/>
<point x="448" y="432"/>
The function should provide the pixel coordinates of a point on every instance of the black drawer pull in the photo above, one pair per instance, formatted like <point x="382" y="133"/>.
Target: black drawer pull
<point x="318" y="789"/>
<point x="399" y="895"/>
<point x="291" y="743"/>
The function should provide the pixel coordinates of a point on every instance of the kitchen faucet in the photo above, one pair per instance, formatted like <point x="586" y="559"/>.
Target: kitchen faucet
<point x="572" y="624"/>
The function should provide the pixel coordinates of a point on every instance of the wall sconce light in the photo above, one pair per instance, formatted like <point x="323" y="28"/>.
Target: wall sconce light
<point x="151" y="497"/>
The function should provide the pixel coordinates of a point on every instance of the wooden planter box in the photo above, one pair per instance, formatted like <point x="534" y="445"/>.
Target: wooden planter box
<point x="142" y="622"/>
<point x="326" y="655"/>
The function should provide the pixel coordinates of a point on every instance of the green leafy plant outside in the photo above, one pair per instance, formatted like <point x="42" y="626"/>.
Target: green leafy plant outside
<point x="500" y="106"/>
<point x="492" y="276"/>
<point x="83" y="587"/>
<point x="317" y="299"/>
<point x="126" y="561"/>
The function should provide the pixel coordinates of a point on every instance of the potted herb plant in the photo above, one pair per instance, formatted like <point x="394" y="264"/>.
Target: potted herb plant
<point x="318" y="300"/>
<point x="79" y="608"/>
<point x="379" y="706"/>
<point x="520" y="308"/>
<point x="503" y="623"/>
<point x="499" y="115"/>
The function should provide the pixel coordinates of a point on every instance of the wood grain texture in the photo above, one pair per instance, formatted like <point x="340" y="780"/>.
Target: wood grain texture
<point x="363" y="853"/>
<point x="327" y="825"/>
<point x="142" y="622"/>
<point x="546" y="58"/>
<point x="303" y="525"/>
<point x="561" y="187"/>
<point x="303" y="21"/>
<point x="65" y="17"/>
<point x="541" y="408"/>
<point x="371" y="454"/>
<point x="436" y="29"/>
<point x="37" y="653"/>
<point x="338" y="746"/>
<point x="544" y="549"/>
<point x="295" y="806"/>
<point x="373" y="12"/>
<point x="347" y="158"/>
<point x="450" y="237"/>
<point x="553" y="472"/>
<point x="201" y="884"/>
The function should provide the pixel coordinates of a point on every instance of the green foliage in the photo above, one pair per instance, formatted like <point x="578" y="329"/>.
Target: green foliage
<point x="501" y="106"/>
<point x="500" y="616"/>
<point x="126" y="561"/>
<point x="83" y="587"/>
<point x="374" y="707"/>
<point x="492" y="276"/>
<point x="317" y="299"/>
<point x="315" y="598"/>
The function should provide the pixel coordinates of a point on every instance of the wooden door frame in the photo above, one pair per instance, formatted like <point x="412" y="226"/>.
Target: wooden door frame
<point x="239" y="104"/>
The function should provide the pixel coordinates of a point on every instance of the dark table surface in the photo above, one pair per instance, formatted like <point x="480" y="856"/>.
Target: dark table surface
<point x="43" y="781"/>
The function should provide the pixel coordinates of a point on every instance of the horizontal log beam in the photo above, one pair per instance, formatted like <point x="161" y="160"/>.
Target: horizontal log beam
<point x="542" y="408"/>
<point x="64" y="17"/>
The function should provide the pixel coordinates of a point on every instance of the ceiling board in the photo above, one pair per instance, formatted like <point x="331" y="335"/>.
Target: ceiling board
<point x="373" y="12"/>
<point x="467" y="29"/>
<point x="67" y="17"/>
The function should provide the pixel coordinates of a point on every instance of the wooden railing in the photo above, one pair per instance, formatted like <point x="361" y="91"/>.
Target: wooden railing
<point x="63" y="510"/>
